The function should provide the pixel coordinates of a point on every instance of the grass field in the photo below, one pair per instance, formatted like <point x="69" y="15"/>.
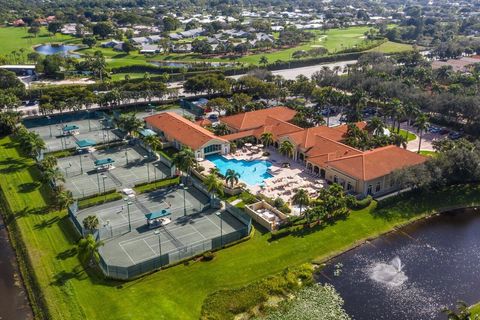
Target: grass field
<point x="476" y="310"/>
<point x="18" y="38"/>
<point x="177" y="292"/>
<point x="391" y="47"/>
<point x="428" y="153"/>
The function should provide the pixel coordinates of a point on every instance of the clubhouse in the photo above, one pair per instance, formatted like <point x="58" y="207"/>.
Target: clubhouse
<point x="320" y="148"/>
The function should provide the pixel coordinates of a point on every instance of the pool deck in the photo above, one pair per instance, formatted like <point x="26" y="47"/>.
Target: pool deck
<point x="285" y="181"/>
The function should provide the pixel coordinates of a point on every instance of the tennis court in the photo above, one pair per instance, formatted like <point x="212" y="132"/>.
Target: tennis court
<point x="92" y="129"/>
<point x="193" y="223"/>
<point x="131" y="165"/>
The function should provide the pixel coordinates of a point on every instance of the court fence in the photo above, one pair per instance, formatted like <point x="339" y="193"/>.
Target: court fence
<point x="171" y="257"/>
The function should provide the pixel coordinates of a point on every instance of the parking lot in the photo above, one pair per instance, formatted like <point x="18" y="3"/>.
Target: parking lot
<point x="131" y="165"/>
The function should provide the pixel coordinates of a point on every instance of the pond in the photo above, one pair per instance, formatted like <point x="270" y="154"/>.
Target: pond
<point x="13" y="300"/>
<point x="63" y="50"/>
<point x="411" y="273"/>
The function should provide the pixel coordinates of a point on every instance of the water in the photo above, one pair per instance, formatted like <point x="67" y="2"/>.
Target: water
<point x="192" y="64"/>
<point x="251" y="172"/>
<point x="13" y="300"/>
<point x="63" y="50"/>
<point x="412" y="273"/>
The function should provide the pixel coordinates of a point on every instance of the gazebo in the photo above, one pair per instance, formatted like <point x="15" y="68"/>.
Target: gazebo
<point x="85" y="143"/>
<point x="70" y="129"/>
<point x="104" y="164"/>
<point x="155" y="218"/>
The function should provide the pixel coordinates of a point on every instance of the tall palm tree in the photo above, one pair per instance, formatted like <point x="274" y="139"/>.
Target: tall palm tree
<point x="88" y="250"/>
<point x="214" y="170"/>
<point x="64" y="198"/>
<point x="232" y="177"/>
<point x="421" y="123"/>
<point x="154" y="142"/>
<point x="266" y="138"/>
<point x="90" y="222"/>
<point x="375" y="126"/>
<point x="184" y="160"/>
<point x="53" y="174"/>
<point x="213" y="184"/>
<point x="399" y="140"/>
<point x="301" y="198"/>
<point x="264" y="61"/>
<point x="129" y="123"/>
<point x="287" y="148"/>
<point x="48" y="162"/>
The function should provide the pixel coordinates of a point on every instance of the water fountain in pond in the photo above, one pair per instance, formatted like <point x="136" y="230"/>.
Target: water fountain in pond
<point x="390" y="273"/>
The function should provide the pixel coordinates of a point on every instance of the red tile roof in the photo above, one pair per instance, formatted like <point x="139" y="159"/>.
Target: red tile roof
<point x="307" y="138"/>
<point x="277" y="128"/>
<point x="256" y="119"/>
<point x="327" y="149"/>
<point x="181" y="129"/>
<point x="376" y="163"/>
<point x="239" y="135"/>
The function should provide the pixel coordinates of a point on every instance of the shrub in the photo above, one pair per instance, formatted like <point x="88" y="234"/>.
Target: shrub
<point x="208" y="256"/>
<point x="266" y="154"/>
<point x="353" y="203"/>
<point x="200" y="169"/>
<point x="278" y="203"/>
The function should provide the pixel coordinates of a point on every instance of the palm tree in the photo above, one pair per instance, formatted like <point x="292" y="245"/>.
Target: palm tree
<point x="213" y="184"/>
<point x="88" y="249"/>
<point x="421" y="123"/>
<point x="375" y="126"/>
<point x="90" y="222"/>
<point x="184" y="160"/>
<point x="264" y="61"/>
<point x="232" y="177"/>
<point x="129" y="123"/>
<point x="301" y="198"/>
<point x="266" y="138"/>
<point x="399" y="140"/>
<point x="154" y="142"/>
<point x="287" y="148"/>
<point x="64" y="198"/>
<point x="463" y="312"/>
<point x="52" y="174"/>
<point x="214" y="170"/>
<point x="34" y="144"/>
<point x="48" y="162"/>
<point x="221" y="129"/>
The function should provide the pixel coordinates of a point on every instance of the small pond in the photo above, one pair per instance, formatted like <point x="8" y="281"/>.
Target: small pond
<point x="63" y="50"/>
<point x="411" y="273"/>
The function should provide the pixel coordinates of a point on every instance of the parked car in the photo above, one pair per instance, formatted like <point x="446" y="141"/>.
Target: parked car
<point x="455" y="135"/>
<point x="444" y="131"/>
<point x="433" y="129"/>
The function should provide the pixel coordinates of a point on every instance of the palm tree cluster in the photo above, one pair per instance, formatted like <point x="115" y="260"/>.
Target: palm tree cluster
<point x="129" y="123"/>
<point x="154" y="142"/>
<point x="373" y="137"/>
<point x="30" y="142"/>
<point x="184" y="160"/>
<point x="330" y="204"/>
<point x="50" y="172"/>
<point x="9" y="121"/>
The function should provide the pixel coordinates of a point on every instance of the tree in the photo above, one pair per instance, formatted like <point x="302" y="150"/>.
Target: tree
<point x="89" y="41"/>
<point x="201" y="46"/>
<point x="221" y="129"/>
<point x="9" y="121"/>
<point x="88" y="250"/>
<point x="170" y="23"/>
<point x="287" y="148"/>
<point x="54" y="27"/>
<point x="52" y="174"/>
<point x="184" y="160"/>
<point x="129" y="123"/>
<point x="64" y="198"/>
<point x="267" y="138"/>
<point x="301" y="198"/>
<point x="51" y="65"/>
<point x="218" y="104"/>
<point x="239" y="101"/>
<point x="264" y="61"/>
<point x="421" y="123"/>
<point x="127" y="46"/>
<point x="103" y="29"/>
<point x="90" y="222"/>
<point x="35" y="30"/>
<point x="213" y="184"/>
<point x="376" y="126"/>
<point x="232" y="177"/>
<point x="154" y="142"/>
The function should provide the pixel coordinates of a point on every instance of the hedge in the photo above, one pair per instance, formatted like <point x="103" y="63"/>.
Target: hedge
<point x="99" y="199"/>
<point x="150" y="186"/>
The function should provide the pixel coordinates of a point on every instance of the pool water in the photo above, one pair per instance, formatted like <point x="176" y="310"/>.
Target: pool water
<point x="251" y="172"/>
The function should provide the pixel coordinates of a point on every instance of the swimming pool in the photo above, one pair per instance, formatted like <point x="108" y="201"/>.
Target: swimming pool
<point x="251" y="172"/>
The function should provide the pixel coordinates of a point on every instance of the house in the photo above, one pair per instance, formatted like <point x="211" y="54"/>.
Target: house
<point x="322" y="151"/>
<point x="112" y="44"/>
<point x="182" y="48"/>
<point x="192" y="33"/>
<point x="181" y="132"/>
<point x="150" y="48"/>
<point x="18" y="23"/>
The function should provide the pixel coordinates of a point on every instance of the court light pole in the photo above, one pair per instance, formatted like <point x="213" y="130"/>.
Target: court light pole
<point x="157" y="232"/>
<point x="81" y="166"/>
<point x="88" y="117"/>
<point x="184" y="199"/>
<point x="219" y="214"/>
<point x="129" y="203"/>
<point x="98" y="182"/>
<point x="126" y="155"/>
<point x="148" y="169"/>
<point x="50" y="125"/>
<point x="104" y="194"/>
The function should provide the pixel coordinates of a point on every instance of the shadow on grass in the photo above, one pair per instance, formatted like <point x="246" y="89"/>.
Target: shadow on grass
<point x="28" y="187"/>
<point x="46" y="223"/>
<point x="77" y="273"/>
<point x="69" y="253"/>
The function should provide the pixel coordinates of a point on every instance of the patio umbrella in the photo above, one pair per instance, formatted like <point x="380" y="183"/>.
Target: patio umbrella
<point x="248" y="144"/>
<point x="260" y="145"/>
<point x="254" y="148"/>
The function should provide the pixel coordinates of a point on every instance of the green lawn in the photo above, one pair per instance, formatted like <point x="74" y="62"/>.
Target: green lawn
<point x="408" y="134"/>
<point x="18" y="38"/>
<point x="428" y="153"/>
<point x="177" y="292"/>
<point x="476" y="310"/>
<point x="392" y="47"/>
